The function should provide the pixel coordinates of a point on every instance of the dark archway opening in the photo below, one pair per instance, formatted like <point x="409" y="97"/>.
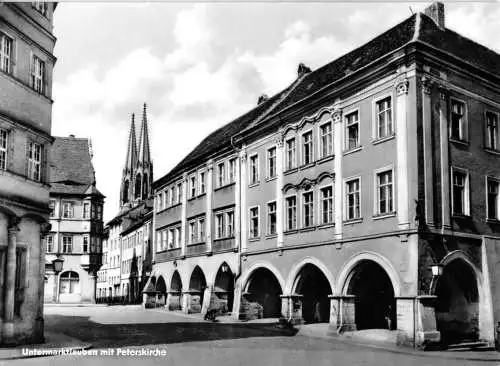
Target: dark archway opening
<point x="313" y="285"/>
<point x="375" y="305"/>
<point x="145" y="186"/>
<point x="457" y="307"/>
<point x="265" y="290"/>
<point x="125" y="191"/>
<point x="197" y="286"/>
<point x="175" y="294"/>
<point x="161" y="292"/>
<point x="224" y="289"/>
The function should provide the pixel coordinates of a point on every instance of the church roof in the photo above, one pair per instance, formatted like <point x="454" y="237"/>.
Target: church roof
<point x="131" y="158"/>
<point x="144" y="155"/>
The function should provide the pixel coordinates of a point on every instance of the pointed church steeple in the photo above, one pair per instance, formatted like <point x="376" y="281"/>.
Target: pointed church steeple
<point x="144" y="157"/>
<point x="130" y="166"/>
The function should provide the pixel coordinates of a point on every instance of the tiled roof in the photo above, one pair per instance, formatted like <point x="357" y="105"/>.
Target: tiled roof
<point x="418" y="27"/>
<point x="71" y="170"/>
<point x="70" y="161"/>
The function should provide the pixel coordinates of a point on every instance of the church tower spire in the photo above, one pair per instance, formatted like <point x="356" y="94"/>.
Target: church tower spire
<point x="130" y="165"/>
<point x="144" y="172"/>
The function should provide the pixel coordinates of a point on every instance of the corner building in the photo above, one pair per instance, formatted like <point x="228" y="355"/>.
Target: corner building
<point x="365" y="195"/>
<point x="26" y="63"/>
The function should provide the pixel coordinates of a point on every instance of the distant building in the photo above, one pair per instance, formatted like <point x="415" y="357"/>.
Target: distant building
<point x="26" y="63"/>
<point x="127" y="250"/>
<point x="76" y="220"/>
<point x="365" y="195"/>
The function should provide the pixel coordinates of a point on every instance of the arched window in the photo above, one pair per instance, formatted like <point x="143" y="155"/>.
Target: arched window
<point x="137" y="186"/>
<point x="69" y="283"/>
<point x="125" y="191"/>
<point x="145" y="192"/>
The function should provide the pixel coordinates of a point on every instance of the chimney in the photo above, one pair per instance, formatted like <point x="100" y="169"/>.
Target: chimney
<point x="262" y="98"/>
<point x="435" y="11"/>
<point x="303" y="70"/>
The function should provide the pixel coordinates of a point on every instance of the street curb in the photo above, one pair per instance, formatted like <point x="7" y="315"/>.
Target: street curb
<point x="402" y="350"/>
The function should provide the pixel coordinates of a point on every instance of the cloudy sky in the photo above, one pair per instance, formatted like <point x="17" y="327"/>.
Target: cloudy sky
<point x="198" y="65"/>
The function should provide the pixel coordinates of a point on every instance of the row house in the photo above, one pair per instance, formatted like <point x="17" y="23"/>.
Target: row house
<point x="26" y="63"/>
<point x="127" y="249"/>
<point x="76" y="218"/>
<point x="364" y="195"/>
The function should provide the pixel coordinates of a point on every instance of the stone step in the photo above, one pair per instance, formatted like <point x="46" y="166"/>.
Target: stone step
<point x="470" y="346"/>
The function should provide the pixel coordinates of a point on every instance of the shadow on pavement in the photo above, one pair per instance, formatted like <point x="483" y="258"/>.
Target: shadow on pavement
<point x="137" y="334"/>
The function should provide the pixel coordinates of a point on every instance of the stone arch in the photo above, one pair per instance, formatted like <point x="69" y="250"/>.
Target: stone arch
<point x="197" y="286"/>
<point x="263" y="290"/>
<point x="352" y="262"/>
<point x="292" y="277"/>
<point x="175" y="292"/>
<point x="313" y="281"/>
<point x="223" y="289"/>
<point x="463" y="308"/>
<point x="256" y="266"/>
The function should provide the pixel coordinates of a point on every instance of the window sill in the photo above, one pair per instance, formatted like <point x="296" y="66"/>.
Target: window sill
<point x="253" y="184"/>
<point x="306" y="229"/>
<point x="325" y="159"/>
<point x="225" y="186"/>
<point x="271" y="236"/>
<point x="224" y="238"/>
<point x="289" y="232"/>
<point x="459" y="142"/>
<point x="195" y="243"/>
<point x="306" y="166"/>
<point x="353" y="221"/>
<point x="271" y="178"/>
<point x="384" y="216"/>
<point x="493" y="221"/>
<point x="254" y="239"/>
<point x="290" y="171"/>
<point x="351" y="151"/>
<point x="201" y="194"/>
<point x="492" y="151"/>
<point x="192" y="198"/>
<point x="461" y="216"/>
<point x="380" y="140"/>
<point x="326" y="226"/>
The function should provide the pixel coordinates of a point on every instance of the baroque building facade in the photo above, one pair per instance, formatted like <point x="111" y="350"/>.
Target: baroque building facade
<point x="127" y="247"/>
<point x="76" y="218"/>
<point x="364" y="195"/>
<point x="26" y="63"/>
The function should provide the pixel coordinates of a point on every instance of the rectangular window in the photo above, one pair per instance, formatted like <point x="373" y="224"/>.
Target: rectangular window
<point x="52" y="207"/>
<point x="353" y="199"/>
<point x="220" y="226"/>
<point x="178" y="237"/>
<point x="307" y="148"/>
<point x="34" y="161"/>
<point x="384" y="118"/>
<point x="165" y="197"/>
<point x="326" y="139"/>
<point x="192" y="186"/>
<point x="85" y="244"/>
<point x="68" y="211"/>
<point x="173" y="196"/>
<point x="326" y="205"/>
<point x="170" y="236"/>
<point x="3" y="149"/>
<point x="385" y="193"/>
<point x="308" y="209"/>
<point x="201" y="229"/>
<point x="491" y="131"/>
<point x="290" y="154"/>
<point x="49" y="241"/>
<point x="193" y="236"/>
<point x="37" y="74"/>
<point x="493" y="200"/>
<point x="179" y="193"/>
<point x="67" y="244"/>
<point x="271" y="218"/>
<point x="5" y="53"/>
<point x="230" y="224"/>
<point x="352" y="127"/>
<point x="232" y="170"/>
<point x="460" y="193"/>
<point x="40" y="6"/>
<point x="202" y="183"/>
<point x="291" y="213"/>
<point x="92" y="209"/>
<point x="271" y="162"/>
<point x="221" y="174"/>
<point x="99" y="212"/>
<point x="254" y="222"/>
<point x="86" y="208"/>
<point x="458" y="123"/>
<point x="254" y="169"/>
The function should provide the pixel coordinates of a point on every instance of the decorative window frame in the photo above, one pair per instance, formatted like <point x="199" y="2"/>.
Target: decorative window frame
<point x="320" y="203"/>
<point x="257" y="181"/>
<point x="302" y="156"/>
<point x="376" y="197"/>
<point x="346" y="114"/>
<point x="497" y="148"/>
<point x="294" y="163"/>
<point x="320" y="141"/>
<point x="467" y="187"/>
<point x="375" y="121"/>
<point x="463" y="139"/>
<point x="269" y="176"/>
<point x="345" y="200"/>
<point x="259" y="226"/>
<point x="497" y="180"/>
<point x="297" y="215"/>
<point x="302" y="193"/>
<point x="268" y="233"/>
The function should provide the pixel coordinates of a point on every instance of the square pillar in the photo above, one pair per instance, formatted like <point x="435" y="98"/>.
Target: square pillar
<point x="291" y="309"/>
<point x="334" y="312"/>
<point x="10" y="283"/>
<point x="426" y="333"/>
<point x="347" y="310"/>
<point x="405" y="321"/>
<point x="186" y="301"/>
